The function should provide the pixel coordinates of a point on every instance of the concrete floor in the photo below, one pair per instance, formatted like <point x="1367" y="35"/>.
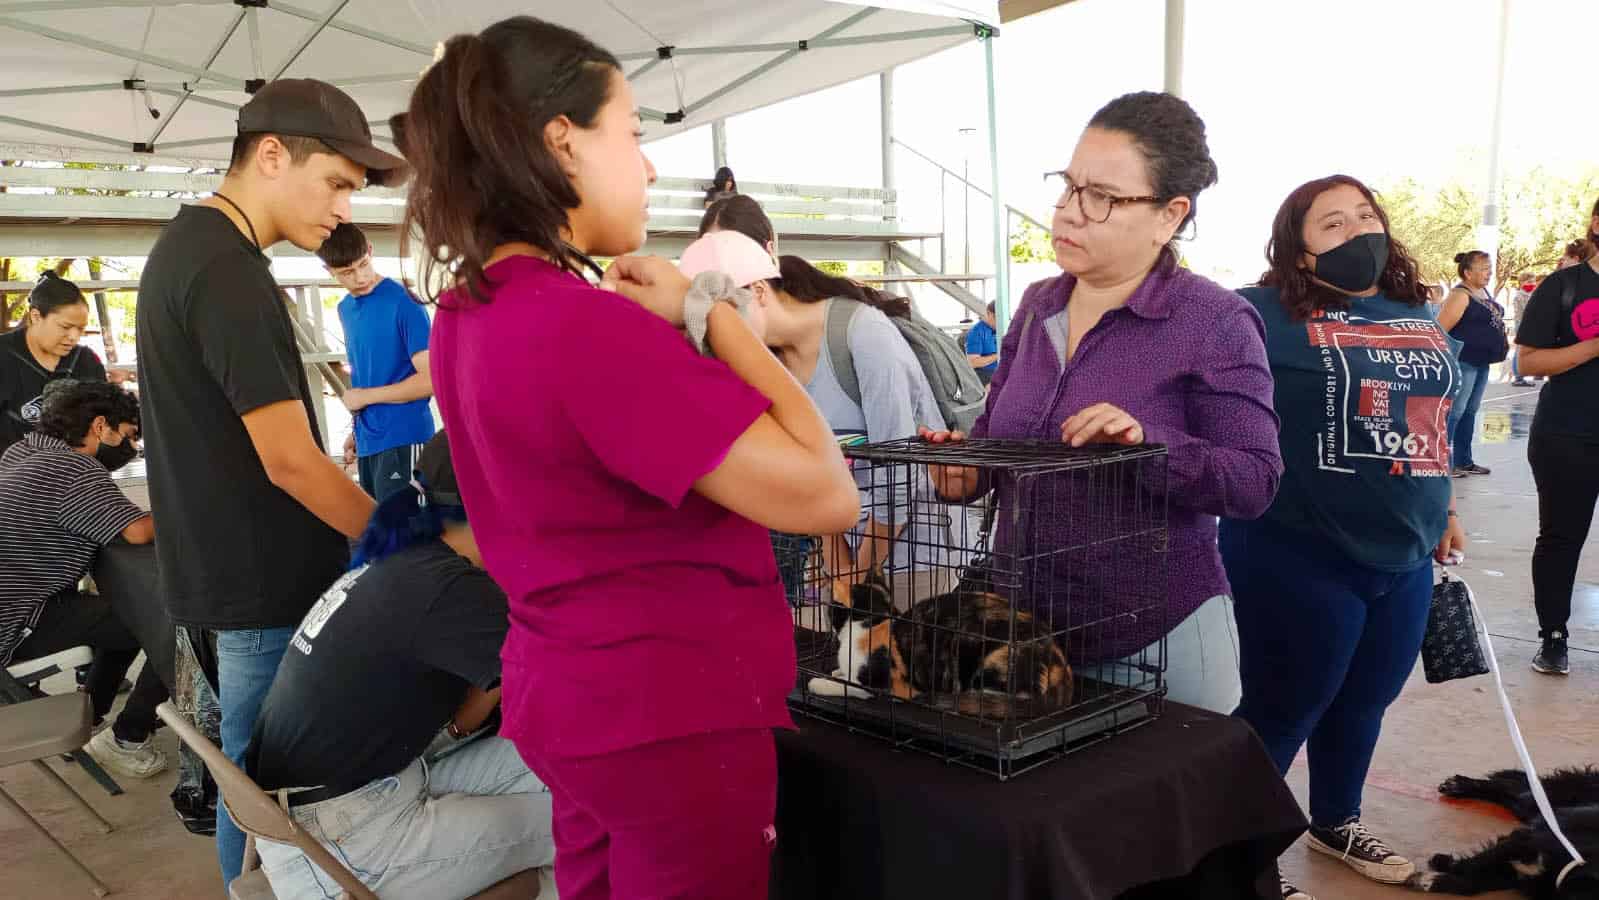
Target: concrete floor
<point x="1431" y="732"/>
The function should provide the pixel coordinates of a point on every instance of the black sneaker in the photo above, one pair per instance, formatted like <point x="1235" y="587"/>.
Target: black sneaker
<point x="1475" y="469"/>
<point x="1360" y="850"/>
<point x="1521" y="382"/>
<point x="1292" y="893"/>
<point x="1552" y="657"/>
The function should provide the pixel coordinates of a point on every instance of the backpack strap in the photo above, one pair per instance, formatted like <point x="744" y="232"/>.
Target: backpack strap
<point x="1568" y="293"/>
<point x="840" y="313"/>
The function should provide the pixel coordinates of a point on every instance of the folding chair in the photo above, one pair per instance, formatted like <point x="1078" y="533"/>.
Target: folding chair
<point x="20" y="682"/>
<point x="260" y="816"/>
<point x="35" y="730"/>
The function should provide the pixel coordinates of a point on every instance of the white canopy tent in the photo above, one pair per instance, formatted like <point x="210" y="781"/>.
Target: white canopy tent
<point x="162" y="80"/>
<point x="92" y="73"/>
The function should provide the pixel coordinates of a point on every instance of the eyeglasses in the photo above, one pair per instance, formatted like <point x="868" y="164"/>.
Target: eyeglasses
<point x="1095" y="205"/>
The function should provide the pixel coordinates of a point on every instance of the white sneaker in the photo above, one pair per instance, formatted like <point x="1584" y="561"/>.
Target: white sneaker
<point x="121" y="758"/>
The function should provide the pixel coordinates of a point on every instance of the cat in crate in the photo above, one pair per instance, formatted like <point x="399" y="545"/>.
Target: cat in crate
<point x="960" y="645"/>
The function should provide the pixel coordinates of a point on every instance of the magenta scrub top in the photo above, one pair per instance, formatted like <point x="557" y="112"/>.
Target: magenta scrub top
<point x="579" y="421"/>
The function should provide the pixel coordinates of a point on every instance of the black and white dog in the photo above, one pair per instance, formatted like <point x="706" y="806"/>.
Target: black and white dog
<point x="1529" y="859"/>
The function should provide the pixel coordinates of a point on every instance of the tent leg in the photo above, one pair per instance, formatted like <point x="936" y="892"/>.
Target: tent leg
<point x="1001" y="239"/>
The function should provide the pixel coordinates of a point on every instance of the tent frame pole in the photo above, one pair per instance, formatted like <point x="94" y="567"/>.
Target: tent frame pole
<point x="1002" y="307"/>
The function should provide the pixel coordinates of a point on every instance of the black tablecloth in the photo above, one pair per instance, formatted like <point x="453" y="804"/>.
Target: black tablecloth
<point x="126" y="576"/>
<point x="1188" y="806"/>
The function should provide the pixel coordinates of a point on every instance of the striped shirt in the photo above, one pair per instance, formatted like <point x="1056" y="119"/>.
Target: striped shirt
<point x="59" y="508"/>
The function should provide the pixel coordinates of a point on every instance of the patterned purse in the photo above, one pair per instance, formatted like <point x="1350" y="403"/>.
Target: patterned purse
<point x="1452" y="648"/>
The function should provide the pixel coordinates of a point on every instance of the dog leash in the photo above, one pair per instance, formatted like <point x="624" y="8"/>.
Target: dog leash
<point x="1520" y="743"/>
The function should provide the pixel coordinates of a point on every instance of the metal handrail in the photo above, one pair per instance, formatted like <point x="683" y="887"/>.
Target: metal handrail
<point x="963" y="180"/>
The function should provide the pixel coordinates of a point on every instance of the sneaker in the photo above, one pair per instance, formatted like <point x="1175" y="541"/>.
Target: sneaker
<point x="1521" y="382"/>
<point x="1475" y="469"/>
<point x="1552" y="657"/>
<point x="1460" y="472"/>
<point x="1361" y="850"/>
<point x="122" y="758"/>
<point x="1292" y="893"/>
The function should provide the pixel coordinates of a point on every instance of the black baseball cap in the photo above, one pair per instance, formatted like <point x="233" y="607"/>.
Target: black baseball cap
<point x="305" y="107"/>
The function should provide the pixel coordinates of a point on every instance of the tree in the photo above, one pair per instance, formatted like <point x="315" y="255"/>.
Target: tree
<point x="1030" y="244"/>
<point x="1539" y="213"/>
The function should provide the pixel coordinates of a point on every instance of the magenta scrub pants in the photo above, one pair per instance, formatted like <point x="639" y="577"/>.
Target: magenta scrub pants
<point x="685" y="818"/>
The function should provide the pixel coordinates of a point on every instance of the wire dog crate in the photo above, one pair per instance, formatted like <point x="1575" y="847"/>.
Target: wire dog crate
<point x="1000" y="605"/>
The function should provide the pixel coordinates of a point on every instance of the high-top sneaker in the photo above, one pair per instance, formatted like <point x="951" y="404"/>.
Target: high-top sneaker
<point x="1360" y="850"/>
<point x="1552" y="656"/>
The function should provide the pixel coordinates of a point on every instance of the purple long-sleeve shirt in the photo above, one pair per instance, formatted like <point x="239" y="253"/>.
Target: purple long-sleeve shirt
<point x="1187" y="359"/>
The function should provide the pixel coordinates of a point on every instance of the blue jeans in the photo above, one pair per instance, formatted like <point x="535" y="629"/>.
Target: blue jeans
<point x="447" y="828"/>
<point x="1463" y="417"/>
<point x="1325" y="645"/>
<point x="247" y="660"/>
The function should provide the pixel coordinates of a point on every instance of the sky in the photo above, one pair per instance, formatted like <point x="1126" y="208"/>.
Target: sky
<point x="1289" y="91"/>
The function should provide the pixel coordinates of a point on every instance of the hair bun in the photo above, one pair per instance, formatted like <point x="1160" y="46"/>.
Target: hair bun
<point x="48" y="275"/>
<point x="1461" y="257"/>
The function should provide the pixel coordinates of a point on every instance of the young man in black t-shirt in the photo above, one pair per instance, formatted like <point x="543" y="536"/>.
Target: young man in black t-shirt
<point x="1559" y="338"/>
<point x="254" y="514"/>
<point x="395" y="650"/>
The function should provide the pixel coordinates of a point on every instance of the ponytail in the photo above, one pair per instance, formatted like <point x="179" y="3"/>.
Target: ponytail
<point x="474" y="136"/>
<point x="806" y="283"/>
<point x="53" y="292"/>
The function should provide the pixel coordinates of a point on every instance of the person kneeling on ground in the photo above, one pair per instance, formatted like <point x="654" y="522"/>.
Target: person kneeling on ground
<point x="60" y="506"/>
<point x="410" y="643"/>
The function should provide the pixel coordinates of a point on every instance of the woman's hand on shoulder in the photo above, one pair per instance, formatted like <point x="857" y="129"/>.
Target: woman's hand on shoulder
<point x="650" y="281"/>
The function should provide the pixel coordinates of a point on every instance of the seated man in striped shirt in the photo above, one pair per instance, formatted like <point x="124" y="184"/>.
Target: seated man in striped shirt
<point x="59" y="507"/>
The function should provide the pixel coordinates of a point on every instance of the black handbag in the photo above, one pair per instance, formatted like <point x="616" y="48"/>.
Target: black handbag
<point x="1452" y="648"/>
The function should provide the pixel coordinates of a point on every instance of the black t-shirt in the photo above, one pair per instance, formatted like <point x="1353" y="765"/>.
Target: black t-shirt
<point x="376" y="669"/>
<point x="1569" y="404"/>
<point x="215" y="343"/>
<point x="22" y="382"/>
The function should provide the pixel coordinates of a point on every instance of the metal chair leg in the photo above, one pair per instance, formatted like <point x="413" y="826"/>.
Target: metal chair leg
<point x="93" y="769"/>
<point x="100" y="890"/>
<point x="105" y="827"/>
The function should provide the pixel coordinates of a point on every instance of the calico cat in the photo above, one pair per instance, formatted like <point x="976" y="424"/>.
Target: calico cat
<point x="958" y="645"/>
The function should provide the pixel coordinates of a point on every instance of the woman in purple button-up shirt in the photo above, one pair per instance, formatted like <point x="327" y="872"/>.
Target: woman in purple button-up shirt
<point x="1128" y="347"/>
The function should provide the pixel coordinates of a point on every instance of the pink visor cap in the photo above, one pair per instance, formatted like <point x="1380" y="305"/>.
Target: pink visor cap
<point x="730" y="253"/>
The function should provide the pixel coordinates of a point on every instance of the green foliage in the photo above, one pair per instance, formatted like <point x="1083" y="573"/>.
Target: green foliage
<point x="1540" y="211"/>
<point x="1030" y="244"/>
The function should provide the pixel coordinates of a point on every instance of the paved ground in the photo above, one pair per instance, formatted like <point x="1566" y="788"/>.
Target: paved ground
<point x="1432" y="732"/>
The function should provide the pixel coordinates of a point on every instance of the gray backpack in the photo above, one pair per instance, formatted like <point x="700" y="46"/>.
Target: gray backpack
<point x="956" y="388"/>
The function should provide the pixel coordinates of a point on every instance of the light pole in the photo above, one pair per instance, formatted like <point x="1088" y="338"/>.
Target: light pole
<point x="966" y="195"/>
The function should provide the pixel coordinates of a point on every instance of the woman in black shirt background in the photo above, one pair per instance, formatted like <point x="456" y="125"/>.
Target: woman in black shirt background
<point x="43" y="349"/>
<point x="1559" y="339"/>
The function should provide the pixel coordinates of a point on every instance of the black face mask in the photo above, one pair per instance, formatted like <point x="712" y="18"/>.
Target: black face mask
<point x="1355" y="265"/>
<point x="114" y="458"/>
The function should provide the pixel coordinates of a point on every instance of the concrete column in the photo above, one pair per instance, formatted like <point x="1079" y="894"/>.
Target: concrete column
<point x="1488" y="233"/>
<point x="1174" y="47"/>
